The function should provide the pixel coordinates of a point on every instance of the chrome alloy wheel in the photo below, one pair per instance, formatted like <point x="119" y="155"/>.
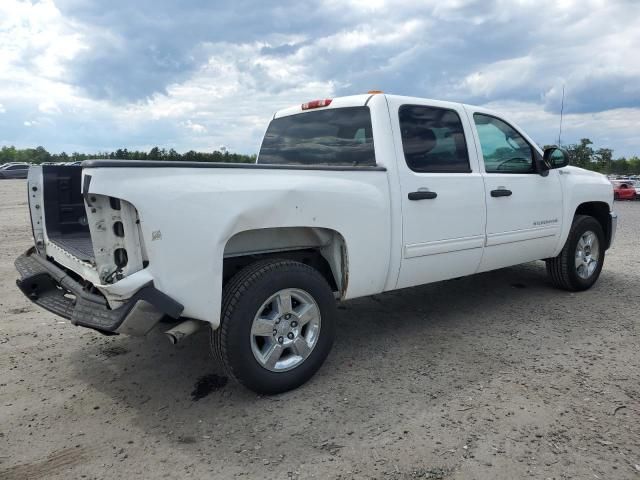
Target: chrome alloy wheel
<point x="587" y="254"/>
<point x="285" y="330"/>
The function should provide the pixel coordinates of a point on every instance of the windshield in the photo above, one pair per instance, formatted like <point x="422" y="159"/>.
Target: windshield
<point x="339" y="136"/>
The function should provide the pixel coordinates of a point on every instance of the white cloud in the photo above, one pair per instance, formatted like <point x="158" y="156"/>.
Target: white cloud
<point x="49" y="106"/>
<point x="502" y="75"/>
<point x="232" y="97"/>
<point x="36" y="44"/>
<point x="588" y="52"/>
<point x="378" y="34"/>
<point x="512" y="54"/>
<point x="194" y="127"/>
<point x="35" y="39"/>
<point x="612" y="127"/>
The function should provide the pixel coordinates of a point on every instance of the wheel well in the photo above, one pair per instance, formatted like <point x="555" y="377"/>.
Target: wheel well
<point x="320" y="248"/>
<point x="599" y="211"/>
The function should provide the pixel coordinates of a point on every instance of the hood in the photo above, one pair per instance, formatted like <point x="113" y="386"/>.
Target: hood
<point x="583" y="172"/>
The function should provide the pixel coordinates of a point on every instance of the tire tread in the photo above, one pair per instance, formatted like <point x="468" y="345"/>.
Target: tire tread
<point x="231" y="296"/>
<point x="558" y="267"/>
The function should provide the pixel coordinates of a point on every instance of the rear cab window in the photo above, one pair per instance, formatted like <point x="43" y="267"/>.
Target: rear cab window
<point x="433" y="140"/>
<point x="334" y="137"/>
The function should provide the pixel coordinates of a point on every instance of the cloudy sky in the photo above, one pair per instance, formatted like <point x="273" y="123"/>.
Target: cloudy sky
<point x="94" y="75"/>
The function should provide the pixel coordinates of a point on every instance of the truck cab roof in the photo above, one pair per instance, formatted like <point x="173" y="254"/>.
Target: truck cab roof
<point x="363" y="99"/>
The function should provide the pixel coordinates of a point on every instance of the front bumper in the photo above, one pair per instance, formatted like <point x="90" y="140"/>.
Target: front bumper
<point x="52" y="288"/>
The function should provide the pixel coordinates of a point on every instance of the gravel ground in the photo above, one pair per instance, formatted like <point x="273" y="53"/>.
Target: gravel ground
<point x="495" y="376"/>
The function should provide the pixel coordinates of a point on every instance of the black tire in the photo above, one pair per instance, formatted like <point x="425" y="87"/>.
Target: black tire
<point x="616" y="196"/>
<point x="243" y="296"/>
<point x="562" y="270"/>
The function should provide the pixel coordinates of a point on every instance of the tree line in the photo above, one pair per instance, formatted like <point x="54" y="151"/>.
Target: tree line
<point x="41" y="155"/>
<point x="581" y="154"/>
<point x="601" y="160"/>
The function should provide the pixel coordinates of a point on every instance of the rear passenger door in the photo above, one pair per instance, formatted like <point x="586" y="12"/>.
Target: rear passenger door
<point x="443" y="211"/>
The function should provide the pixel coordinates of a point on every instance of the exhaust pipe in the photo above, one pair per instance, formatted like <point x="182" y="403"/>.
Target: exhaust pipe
<point x="183" y="330"/>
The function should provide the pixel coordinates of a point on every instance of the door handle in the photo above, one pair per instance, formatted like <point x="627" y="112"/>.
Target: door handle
<point x="501" y="192"/>
<point x="422" y="195"/>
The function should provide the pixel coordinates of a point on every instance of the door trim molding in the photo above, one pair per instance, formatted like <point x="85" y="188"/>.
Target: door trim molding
<point x="443" y="246"/>
<point x="522" y="235"/>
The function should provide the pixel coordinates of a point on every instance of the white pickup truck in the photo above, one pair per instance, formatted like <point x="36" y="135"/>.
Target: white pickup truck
<point x="349" y="197"/>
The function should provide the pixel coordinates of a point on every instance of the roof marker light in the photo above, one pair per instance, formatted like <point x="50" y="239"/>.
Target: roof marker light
<point x="373" y="92"/>
<point x="316" y="104"/>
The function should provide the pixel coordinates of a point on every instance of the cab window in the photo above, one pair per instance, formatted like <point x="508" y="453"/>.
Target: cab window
<point x="433" y="139"/>
<point x="504" y="150"/>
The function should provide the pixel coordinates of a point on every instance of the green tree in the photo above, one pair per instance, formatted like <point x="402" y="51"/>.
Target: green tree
<point x="173" y="155"/>
<point x="8" y="154"/>
<point x="634" y="165"/>
<point x="40" y="155"/>
<point x="620" y="166"/>
<point x="154" y="154"/>
<point x="581" y="155"/>
<point x="603" y="158"/>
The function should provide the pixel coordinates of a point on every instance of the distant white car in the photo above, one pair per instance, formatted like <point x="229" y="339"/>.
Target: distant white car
<point x="350" y="197"/>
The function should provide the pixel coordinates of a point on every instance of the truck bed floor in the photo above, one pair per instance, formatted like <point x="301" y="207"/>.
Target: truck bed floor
<point x="78" y="244"/>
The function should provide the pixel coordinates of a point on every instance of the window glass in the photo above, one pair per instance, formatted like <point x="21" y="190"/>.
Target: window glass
<point x="433" y="139"/>
<point x="17" y="167"/>
<point x="339" y="136"/>
<point x="504" y="150"/>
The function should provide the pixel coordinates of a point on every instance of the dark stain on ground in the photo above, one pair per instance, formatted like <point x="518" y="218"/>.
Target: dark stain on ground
<point x="113" y="351"/>
<point x="518" y="285"/>
<point x="187" y="439"/>
<point x="17" y="311"/>
<point x="207" y="384"/>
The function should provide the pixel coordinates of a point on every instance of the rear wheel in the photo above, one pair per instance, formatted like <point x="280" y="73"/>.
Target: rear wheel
<point x="277" y="325"/>
<point x="579" y="264"/>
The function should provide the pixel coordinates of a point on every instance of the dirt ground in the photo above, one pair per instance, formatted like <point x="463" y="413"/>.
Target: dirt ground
<point x="495" y="376"/>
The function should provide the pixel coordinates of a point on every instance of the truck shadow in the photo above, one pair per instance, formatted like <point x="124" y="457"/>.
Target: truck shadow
<point x="431" y="342"/>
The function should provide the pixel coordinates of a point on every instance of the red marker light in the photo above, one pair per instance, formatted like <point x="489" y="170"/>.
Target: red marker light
<point x="316" y="104"/>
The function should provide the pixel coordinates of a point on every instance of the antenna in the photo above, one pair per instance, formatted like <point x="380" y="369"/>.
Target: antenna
<point x="561" y="113"/>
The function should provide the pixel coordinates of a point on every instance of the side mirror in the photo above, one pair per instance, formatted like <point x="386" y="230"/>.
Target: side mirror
<point x="555" y="157"/>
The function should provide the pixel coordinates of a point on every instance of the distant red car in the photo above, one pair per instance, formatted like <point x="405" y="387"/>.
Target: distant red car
<point x="623" y="191"/>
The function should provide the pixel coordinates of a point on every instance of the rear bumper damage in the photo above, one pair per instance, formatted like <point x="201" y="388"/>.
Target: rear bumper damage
<point x="52" y="288"/>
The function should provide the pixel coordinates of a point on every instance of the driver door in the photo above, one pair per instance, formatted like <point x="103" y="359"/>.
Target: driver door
<point x="524" y="209"/>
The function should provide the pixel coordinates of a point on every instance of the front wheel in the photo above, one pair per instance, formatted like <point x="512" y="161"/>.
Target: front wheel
<point x="277" y="325"/>
<point x="579" y="264"/>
